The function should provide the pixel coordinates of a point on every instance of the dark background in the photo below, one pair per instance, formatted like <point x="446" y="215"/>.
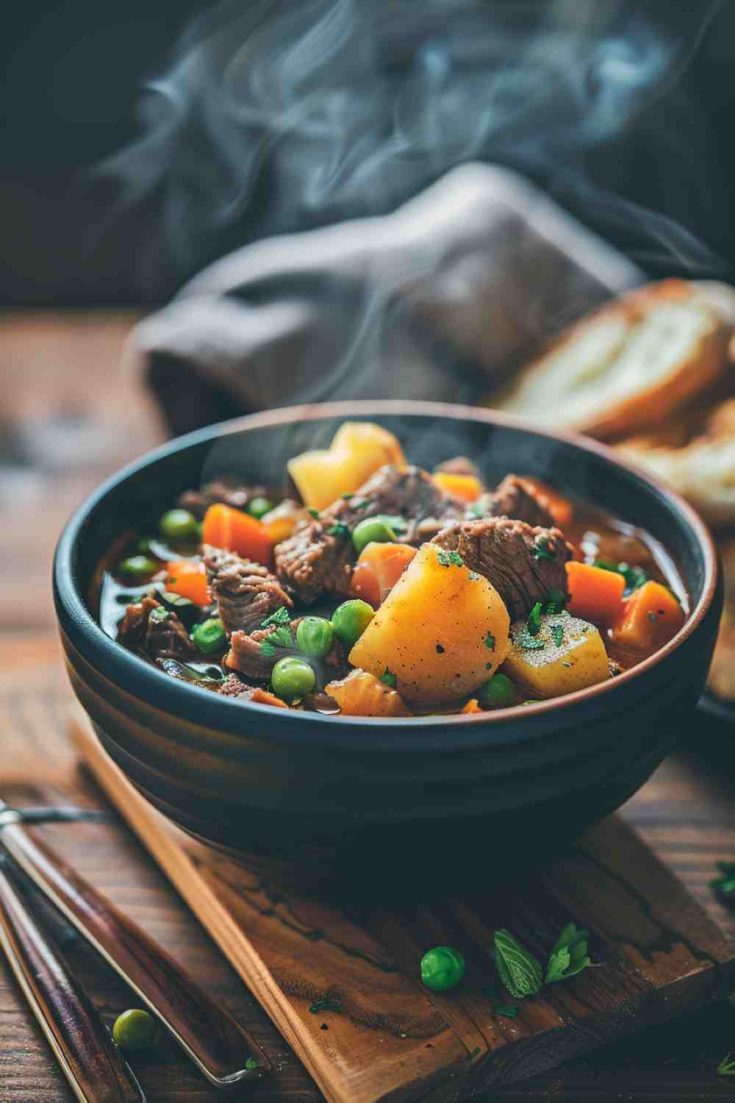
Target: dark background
<point x="71" y="82"/>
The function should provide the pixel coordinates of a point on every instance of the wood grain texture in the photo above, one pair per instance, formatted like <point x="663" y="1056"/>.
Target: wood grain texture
<point x="658" y="953"/>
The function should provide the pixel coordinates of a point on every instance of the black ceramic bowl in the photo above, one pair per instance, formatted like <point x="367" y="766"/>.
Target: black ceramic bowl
<point x="419" y="801"/>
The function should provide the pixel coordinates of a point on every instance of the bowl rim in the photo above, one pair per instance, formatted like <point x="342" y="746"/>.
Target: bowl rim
<point x="468" y="729"/>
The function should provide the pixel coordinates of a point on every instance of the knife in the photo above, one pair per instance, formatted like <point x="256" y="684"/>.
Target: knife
<point x="88" y="1057"/>
<point x="222" y="1050"/>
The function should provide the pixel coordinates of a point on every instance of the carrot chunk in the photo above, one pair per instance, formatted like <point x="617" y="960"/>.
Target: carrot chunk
<point x="225" y="527"/>
<point x="649" y="618"/>
<point x="467" y="488"/>
<point x="559" y="507"/>
<point x="188" y="578"/>
<point x="263" y="697"/>
<point x="596" y="594"/>
<point x="378" y="568"/>
<point x="473" y="705"/>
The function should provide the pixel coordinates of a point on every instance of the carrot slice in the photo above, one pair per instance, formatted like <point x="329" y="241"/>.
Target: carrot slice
<point x="263" y="697"/>
<point x="596" y="594"/>
<point x="473" y="705"/>
<point x="188" y="578"/>
<point x="650" y="617"/>
<point x="559" y="507"/>
<point x="225" y="527"/>
<point x="362" y="694"/>
<point x="378" y="568"/>
<point x="467" y="488"/>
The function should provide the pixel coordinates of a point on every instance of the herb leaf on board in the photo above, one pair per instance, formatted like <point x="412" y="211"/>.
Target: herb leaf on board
<point x="568" y="955"/>
<point x="519" y="971"/>
<point x="724" y="885"/>
<point x="726" y="1066"/>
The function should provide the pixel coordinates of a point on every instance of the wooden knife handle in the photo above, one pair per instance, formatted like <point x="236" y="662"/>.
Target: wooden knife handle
<point x="84" y="1049"/>
<point x="211" y="1037"/>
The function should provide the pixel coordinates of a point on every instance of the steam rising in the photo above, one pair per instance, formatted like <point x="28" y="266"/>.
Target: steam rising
<point x="279" y="116"/>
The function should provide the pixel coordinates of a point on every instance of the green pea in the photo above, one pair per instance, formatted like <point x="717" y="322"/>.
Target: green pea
<point x="258" y="507"/>
<point x="350" y="619"/>
<point x="314" y="637"/>
<point x="209" y="635"/>
<point x="292" y="678"/>
<point x="137" y="567"/>
<point x="373" y="530"/>
<point x="442" y="968"/>
<point x="178" y="524"/>
<point x="134" y="1030"/>
<point x="497" y="692"/>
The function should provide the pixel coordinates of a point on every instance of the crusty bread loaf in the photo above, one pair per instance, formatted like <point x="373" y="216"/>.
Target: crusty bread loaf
<point x="631" y="364"/>
<point x="696" y="455"/>
<point x="722" y="672"/>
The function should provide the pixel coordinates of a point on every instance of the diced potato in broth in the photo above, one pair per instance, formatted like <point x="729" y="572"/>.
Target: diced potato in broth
<point x="564" y="655"/>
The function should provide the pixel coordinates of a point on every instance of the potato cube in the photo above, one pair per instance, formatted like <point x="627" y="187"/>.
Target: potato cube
<point x="565" y="654"/>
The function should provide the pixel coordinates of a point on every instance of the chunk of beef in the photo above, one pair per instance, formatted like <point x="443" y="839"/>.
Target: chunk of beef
<point x="318" y="558"/>
<point x="245" y="592"/>
<point x="460" y="465"/>
<point x="247" y="655"/>
<point x="524" y="563"/>
<point x="199" y="501"/>
<point x="148" y="626"/>
<point x="515" y="498"/>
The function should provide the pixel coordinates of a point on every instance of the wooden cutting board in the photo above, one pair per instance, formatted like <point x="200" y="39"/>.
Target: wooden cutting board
<point x="342" y="987"/>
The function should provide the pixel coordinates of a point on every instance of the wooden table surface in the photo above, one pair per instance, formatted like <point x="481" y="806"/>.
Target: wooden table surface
<point x="69" y="416"/>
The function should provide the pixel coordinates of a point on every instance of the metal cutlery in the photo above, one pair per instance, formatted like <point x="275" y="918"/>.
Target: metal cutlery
<point x="90" y="1060"/>
<point x="217" y="1045"/>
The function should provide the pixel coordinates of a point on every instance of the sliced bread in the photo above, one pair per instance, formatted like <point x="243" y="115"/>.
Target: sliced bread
<point x="629" y="365"/>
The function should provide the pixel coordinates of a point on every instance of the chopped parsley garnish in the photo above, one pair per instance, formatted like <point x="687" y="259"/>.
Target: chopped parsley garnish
<point x="389" y="679"/>
<point x="279" y="617"/>
<point x="450" y="559"/>
<point x="252" y="1063"/>
<point x="529" y="643"/>
<point x="556" y="601"/>
<point x="159" y="615"/>
<point x="314" y="512"/>
<point x="533" y="624"/>
<point x="339" y="528"/>
<point x="490" y="641"/>
<point x="634" y="576"/>
<point x="540" y="550"/>
<point x="724" y="885"/>
<point x="726" y="1066"/>
<point x="280" y="637"/>
<point x="557" y="634"/>
<point x="325" y="1003"/>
